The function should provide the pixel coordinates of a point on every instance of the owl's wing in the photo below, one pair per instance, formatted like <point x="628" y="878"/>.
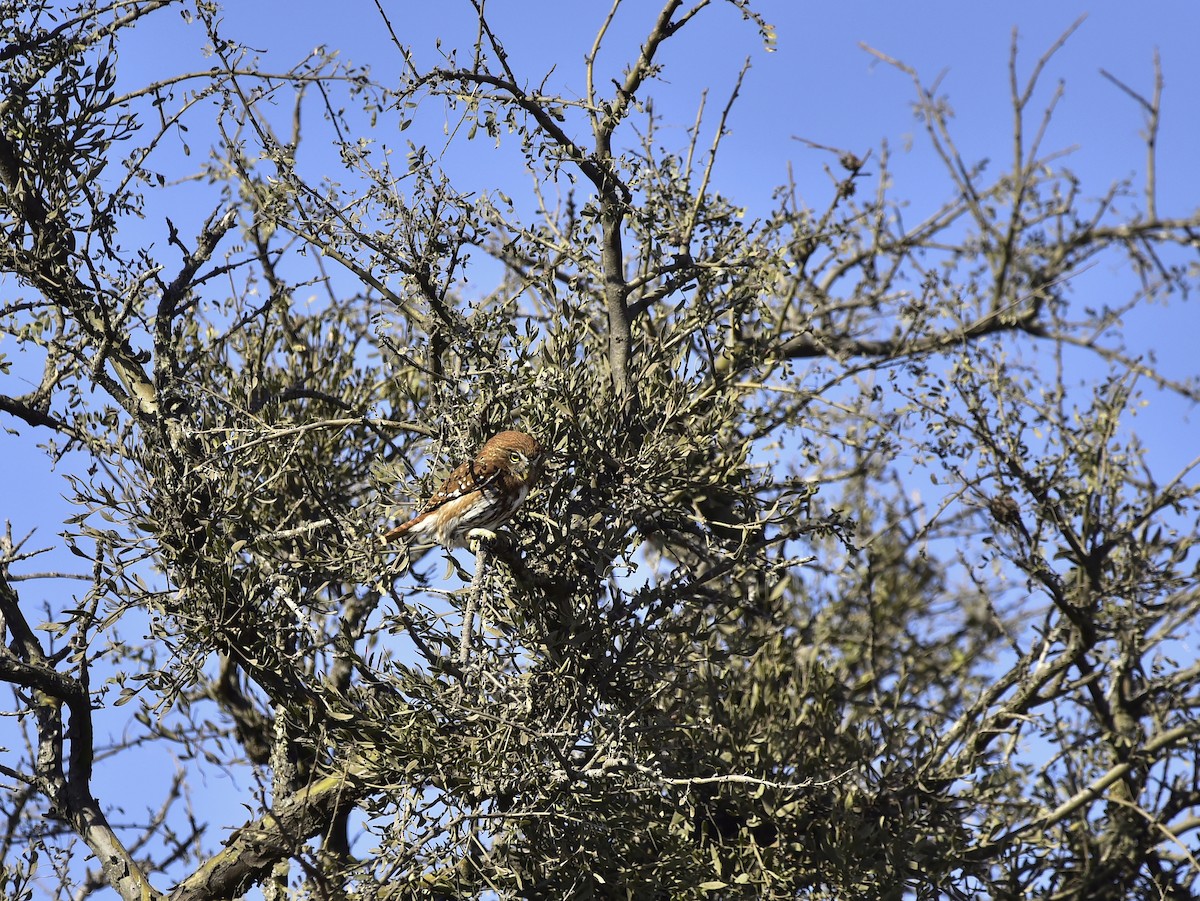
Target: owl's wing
<point x="473" y="476"/>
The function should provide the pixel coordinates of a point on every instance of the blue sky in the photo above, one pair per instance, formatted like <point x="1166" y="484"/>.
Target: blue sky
<point x="817" y="84"/>
<point x="820" y="85"/>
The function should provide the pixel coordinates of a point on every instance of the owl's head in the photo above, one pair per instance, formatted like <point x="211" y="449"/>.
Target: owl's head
<point x="517" y="452"/>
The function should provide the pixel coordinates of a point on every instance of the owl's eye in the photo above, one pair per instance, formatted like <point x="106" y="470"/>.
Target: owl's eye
<point x="514" y="457"/>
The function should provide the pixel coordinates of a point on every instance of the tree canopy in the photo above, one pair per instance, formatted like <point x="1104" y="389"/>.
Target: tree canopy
<point x="851" y="574"/>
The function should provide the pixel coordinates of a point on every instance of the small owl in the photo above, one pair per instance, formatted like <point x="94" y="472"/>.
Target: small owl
<point x="481" y="494"/>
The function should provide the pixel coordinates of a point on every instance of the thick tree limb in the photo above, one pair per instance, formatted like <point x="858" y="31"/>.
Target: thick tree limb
<point x="32" y="415"/>
<point x="255" y="848"/>
<point x="69" y="791"/>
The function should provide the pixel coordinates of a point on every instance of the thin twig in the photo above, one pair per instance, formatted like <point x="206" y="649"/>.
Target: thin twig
<point x="480" y="545"/>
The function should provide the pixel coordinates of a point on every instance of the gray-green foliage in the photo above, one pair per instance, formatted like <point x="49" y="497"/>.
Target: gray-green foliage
<point x="728" y="652"/>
